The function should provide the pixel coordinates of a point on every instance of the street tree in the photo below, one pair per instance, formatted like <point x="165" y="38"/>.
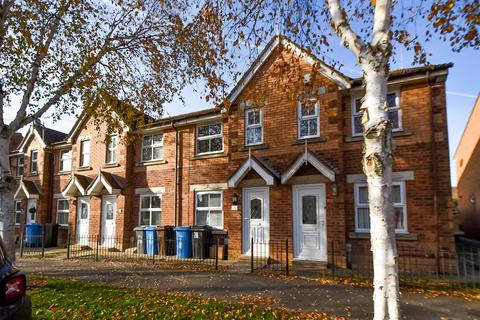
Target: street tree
<point x="372" y="30"/>
<point x="61" y="56"/>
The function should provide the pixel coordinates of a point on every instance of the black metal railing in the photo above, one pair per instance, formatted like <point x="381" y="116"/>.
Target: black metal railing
<point x="170" y="251"/>
<point x="461" y="268"/>
<point x="31" y="245"/>
<point x="269" y="255"/>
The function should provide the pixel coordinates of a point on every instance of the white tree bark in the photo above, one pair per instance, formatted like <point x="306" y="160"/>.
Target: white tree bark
<point x="6" y="196"/>
<point x="378" y="152"/>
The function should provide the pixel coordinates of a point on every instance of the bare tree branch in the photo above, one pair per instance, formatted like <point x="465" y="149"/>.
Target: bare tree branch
<point x="342" y="28"/>
<point x="42" y="51"/>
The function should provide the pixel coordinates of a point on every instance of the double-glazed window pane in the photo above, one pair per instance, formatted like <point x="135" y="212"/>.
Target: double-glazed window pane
<point x="18" y="211"/>
<point x="112" y="150"/>
<point x="357" y="117"/>
<point x="254" y="134"/>
<point x="33" y="161"/>
<point x="152" y="147"/>
<point x="209" y="209"/>
<point x="83" y="211"/>
<point x="399" y="207"/>
<point x="150" y="210"/>
<point x="21" y="165"/>
<point x="256" y="209"/>
<point x="309" y="210"/>
<point x="308" y="120"/>
<point x="62" y="211"/>
<point x="209" y="138"/>
<point x="84" y="153"/>
<point x="66" y="160"/>
<point x="393" y="110"/>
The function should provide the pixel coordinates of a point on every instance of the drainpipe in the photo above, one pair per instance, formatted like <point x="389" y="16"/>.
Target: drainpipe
<point x="434" y="169"/>
<point x="176" y="175"/>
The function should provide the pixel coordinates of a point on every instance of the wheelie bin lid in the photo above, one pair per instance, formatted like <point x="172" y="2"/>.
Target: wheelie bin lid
<point x="150" y="228"/>
<point x="183" y="228"/>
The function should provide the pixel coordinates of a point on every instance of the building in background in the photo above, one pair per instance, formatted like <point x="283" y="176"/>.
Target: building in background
<point x="467" y="161"/>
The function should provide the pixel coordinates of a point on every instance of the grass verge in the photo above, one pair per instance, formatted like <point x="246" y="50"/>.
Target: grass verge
<point x="68" y="299"/>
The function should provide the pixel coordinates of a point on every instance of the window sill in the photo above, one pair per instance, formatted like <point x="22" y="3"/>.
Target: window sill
<point x="208" y="156"/>
<point x="398" y="235"/>
<point x="151" y="163"/>
<point x="32" y="174"/>
<point x="259" y="146"/>
<point x="309" y="140"/>
<point x="62" y="173"/>
<point x="401" y="133"/>
<point x="84" y="168"/>
<point x="111" y="165"/>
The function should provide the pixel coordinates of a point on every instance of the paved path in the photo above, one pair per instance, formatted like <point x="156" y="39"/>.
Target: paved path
<point x="308" y="295"/>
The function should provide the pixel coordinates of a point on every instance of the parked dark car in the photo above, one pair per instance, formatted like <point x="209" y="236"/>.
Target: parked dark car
<point x="14" y="302"/>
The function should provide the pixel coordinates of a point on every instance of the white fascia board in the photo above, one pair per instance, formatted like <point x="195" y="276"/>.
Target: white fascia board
<point x="310" y="158"/>
<point x="31" y="133"/>
<point x="73" y="184"/>
<point x="99" y="182"/>
<point x="248" y="165"/>
<point x="21" y="192"/>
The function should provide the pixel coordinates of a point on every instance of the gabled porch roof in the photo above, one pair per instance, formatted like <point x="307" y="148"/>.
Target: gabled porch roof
<point x="107" y="181"/>
<point x="264" y="170"/>
<point x="77" y="186"/>
<point x="308" y="157"/>
<point x="26" y="190"/>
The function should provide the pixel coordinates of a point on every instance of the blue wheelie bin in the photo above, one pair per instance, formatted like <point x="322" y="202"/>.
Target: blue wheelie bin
<point x="33" y="235"/>
<point x="184" y="242"/>
<point x="151" y="244"/>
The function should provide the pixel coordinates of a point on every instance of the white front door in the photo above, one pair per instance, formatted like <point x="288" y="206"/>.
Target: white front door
<point x="83" y="212"/>
<point x="256" y="221"/>
<point x="109" y="207"/>
<point x="310" y="231"/>
<point x="31" y="211"/>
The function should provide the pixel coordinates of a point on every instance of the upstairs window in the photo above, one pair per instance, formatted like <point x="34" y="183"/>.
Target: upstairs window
<point x="151" y="210"/>
<point x="308" y="120"/>
<point x="362" y="210"/>
<point x="65" y="160"/>
<point x="208" y="209"/>
<point x="111" y="150"/>
<point x="18" y="211"/>
<point x="62" y="212"/>
<point x="33" y="161"/>
<point x="394" y="114"/>
<point x="253" y="126"/>
<point x="20" y="166"/>
<point x="210" y="138"/>
<point x="85" y="153"/>
<point x="152" y="147"/>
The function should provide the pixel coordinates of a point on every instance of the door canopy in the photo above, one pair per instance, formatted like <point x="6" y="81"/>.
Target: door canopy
<point x="267" y="173"/>
<point x="27" y="190"/>
<point x="308" y="158"/>
<point x="104" y="181"/>
<point x="77" y="186"/>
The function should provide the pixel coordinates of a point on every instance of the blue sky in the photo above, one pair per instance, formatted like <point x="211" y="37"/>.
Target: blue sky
<point x="462" y="88"/>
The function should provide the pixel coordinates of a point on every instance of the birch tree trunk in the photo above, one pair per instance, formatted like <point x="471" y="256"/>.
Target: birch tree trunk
<point x="7" y="184"/>
<point x="377" y="166"/>
<point x="378" y="150"/>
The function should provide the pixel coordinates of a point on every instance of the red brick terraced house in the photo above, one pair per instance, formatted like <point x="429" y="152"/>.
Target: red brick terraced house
<point x="283" y="168"/>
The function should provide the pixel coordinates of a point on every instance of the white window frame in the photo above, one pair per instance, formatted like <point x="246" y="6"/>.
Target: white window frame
<point x="309" y="117"/>
<point x="160" y="144"/>
<point x="32" y="161"/>
<point x="20" y="166"/>
<point x="140" y="209"/>
<point x="19" y="212"/>
<point x="210" y="137"/>
<point x="63" y="211"/>
<point x="111" y="150"/>
<point x="61" y="164"/>
<point x="397" y="107"/>
<point x="210" y="208"/>
<point x="253" y="126"/>
<point x="401" y="204"/>
<point x="83" y="154"/>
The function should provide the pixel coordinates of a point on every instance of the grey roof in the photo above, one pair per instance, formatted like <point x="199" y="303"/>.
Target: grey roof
<point x="50" y="136"/>
<point x="112" y="180"/>
<point x="31" y="187"/>
<point x="83" y="180"/>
